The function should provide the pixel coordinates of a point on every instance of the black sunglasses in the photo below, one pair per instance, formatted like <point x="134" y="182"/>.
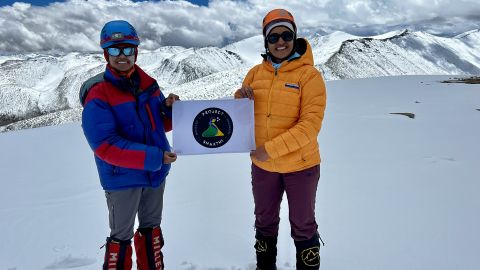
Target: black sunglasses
<point x="127" y="51"/>
<point x="286" y="36"/>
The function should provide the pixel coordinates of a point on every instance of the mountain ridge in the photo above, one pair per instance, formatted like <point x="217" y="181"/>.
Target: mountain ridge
<point x="405" y="53"/>
<point x="32" y="84"/>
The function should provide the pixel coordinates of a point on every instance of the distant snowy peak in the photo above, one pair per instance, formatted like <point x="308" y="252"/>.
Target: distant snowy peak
<point x="400" y="53"/>
<point x="471" y="37"/>
<point x="248" y="49"/>
<point x="392" y="34"/>
<point x="470" y="34"/>
<point x="191" y="64"/>
<point x="345" y="38"/>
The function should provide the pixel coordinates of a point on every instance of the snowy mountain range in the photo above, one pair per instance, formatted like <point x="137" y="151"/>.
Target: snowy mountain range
<point x="42" y="89"/>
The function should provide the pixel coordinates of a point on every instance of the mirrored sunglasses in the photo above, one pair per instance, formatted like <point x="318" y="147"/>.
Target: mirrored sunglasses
<point x="286" y="36"/>
<point x="127" y="51"/>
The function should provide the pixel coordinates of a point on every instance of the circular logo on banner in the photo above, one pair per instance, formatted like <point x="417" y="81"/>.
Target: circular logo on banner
<point x="212" y="127"/>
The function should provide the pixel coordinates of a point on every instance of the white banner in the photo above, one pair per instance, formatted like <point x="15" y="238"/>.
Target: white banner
<point x="213" y="126"/>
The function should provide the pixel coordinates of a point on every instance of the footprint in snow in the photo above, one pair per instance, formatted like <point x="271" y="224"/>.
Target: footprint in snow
<point x="188" y="266"/>
<point x="440" y="159"/>
<point x="70" y="262"/>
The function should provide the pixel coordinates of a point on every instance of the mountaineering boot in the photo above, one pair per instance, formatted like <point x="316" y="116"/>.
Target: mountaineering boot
<point x="148" y="247"/>
<point x="266" y="250"/>
<point x="118" y="255"/>
<point x="308" y="253"/>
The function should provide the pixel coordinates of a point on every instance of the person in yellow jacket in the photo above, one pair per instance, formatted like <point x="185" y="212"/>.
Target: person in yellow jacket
<point x="289" y="98"/>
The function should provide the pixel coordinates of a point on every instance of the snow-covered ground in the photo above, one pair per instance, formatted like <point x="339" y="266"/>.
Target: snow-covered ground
<point x="395" y="193"/>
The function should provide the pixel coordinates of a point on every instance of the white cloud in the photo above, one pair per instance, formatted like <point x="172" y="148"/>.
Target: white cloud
<point x="75" y="24"/>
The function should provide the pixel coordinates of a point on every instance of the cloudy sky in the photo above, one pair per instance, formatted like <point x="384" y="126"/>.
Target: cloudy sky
<point x="74" y="25"/>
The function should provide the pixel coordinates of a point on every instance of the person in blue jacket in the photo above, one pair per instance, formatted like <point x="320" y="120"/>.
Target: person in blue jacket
<point x="124" y="120"/>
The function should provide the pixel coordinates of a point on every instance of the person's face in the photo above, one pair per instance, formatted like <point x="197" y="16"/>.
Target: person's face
<point x="281" y="48"/>
<point x="121" y="62"/>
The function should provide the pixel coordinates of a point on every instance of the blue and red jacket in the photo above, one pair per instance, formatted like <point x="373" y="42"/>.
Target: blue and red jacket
<point x="124" y="121"/>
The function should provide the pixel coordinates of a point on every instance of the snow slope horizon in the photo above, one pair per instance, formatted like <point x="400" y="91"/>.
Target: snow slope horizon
<point x="395" y="193"/>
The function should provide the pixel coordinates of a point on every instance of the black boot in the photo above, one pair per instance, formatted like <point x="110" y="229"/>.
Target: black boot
<point x="308" y="253"/>
<point x="266" y="249"/>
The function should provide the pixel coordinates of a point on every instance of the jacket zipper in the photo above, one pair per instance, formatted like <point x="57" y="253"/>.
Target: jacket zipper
<point x="150" y="116"/>
<point x="145" y="131"/>
<point x="137" y="105"/>
<point x="269" y="114"/>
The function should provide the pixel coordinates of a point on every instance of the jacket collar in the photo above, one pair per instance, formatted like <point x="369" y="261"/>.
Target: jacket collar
<point x="135" y="83"/>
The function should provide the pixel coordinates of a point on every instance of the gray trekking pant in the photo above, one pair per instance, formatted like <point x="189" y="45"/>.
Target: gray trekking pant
<point x="124" y="205"/>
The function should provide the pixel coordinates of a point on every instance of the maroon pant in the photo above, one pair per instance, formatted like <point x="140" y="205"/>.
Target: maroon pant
<point x="301" y="188"/>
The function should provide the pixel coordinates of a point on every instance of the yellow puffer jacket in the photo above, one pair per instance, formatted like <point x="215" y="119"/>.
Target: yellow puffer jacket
<point x="289" y="109"/>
